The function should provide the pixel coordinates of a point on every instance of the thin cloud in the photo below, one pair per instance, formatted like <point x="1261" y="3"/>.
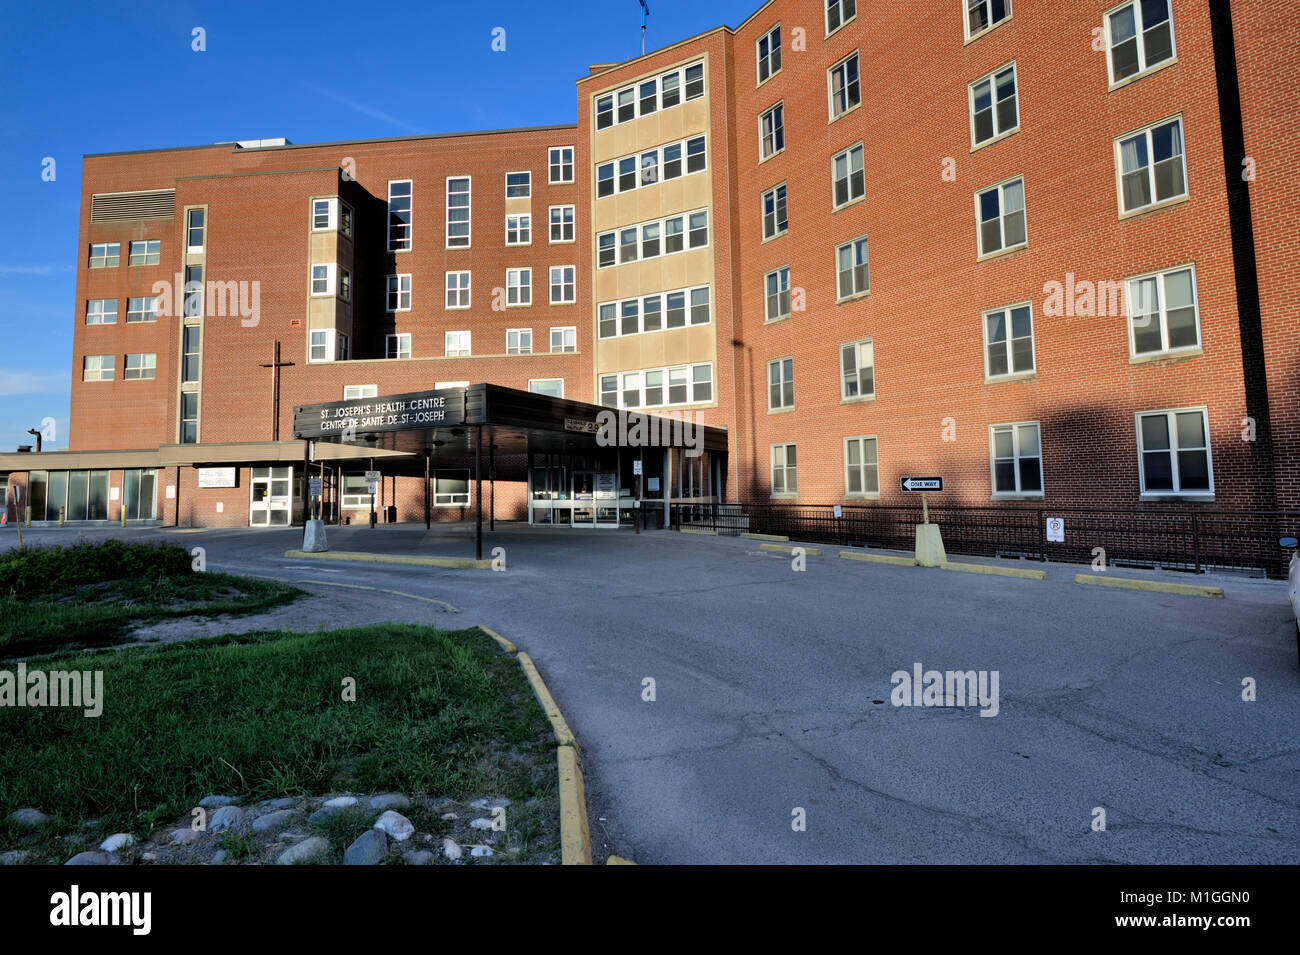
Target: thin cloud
<point x="33" y="269"/>
<point x="363" y="108"/>
<point x="33" y="382"/>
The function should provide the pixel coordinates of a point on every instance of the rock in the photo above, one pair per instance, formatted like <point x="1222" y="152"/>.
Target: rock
<point x="324" y="814"/>
<point x="451" y="849"/>
<point x="479" y="804"/>
<point x="117" y="841"/>
<point x="29" y="817"/>
<point x="305" y="851"/>
<point x="396" y="825"/>
<point x="425" y="837"/>
<point x="421" y="857"/>
<point x="216" y="802"/>
<point x="183" y="837"/>
<point x="369" y="849"/>
<point x="16" y="857"/>
<point x="90" y="858"/>
<point x="480" y="852"/>
<point x="149" y="856"/>
<point x="447" y="816"/>
<point x="218" y="857"/>
<point x="283" y="803"/>
<point x="227" y="817"/>
<point x="481" y="823"/>
<point x="389" y="801"/>
<point x="341" y="802"/>
<point x="273" y="821"/>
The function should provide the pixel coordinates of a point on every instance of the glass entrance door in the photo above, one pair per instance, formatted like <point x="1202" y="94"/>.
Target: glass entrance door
<point x="606" y="499"/>
<point x="584" y="498"/>
<point x="271" y="490"/>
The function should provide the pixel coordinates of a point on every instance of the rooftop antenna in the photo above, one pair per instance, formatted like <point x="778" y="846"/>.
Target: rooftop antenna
<point x="645" y="12"/>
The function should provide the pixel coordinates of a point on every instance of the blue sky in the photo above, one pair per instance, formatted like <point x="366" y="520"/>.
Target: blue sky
<point x="79" y="78"/>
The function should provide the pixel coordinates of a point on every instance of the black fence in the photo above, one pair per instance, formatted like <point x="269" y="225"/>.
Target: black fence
<point x="1190" y="540"/>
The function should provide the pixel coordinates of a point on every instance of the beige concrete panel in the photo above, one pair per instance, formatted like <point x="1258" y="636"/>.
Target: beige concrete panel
<point x="518" y="207"/>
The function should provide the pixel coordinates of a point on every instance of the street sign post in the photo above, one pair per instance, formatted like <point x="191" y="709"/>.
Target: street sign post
<point x="922" y="484"/>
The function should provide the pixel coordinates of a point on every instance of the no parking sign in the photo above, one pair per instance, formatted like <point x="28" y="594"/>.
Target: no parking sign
<point x="1056" y="530"/>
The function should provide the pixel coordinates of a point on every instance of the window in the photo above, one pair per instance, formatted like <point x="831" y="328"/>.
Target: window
<point x="778" y="294"/>
<point x="861" y="469"/>
<point x="994" y="106"/>
<point x="322" y="279"/>
<point x="652" y="313"/>
<point x="519" y="230"/>
<point x="564" y="339"/>
<point x="193" y="303"/>
<point x="561" y="224"/>
<point x="1009" y="341"/>
<point x="344" y="351"/>
<point x="519" y="185"/>
<point x="687" y="384"/>
<point x="857" y="370"/>
<point x="189" y="417"/>
<point x="845" y="86"/>
<point x="769" y="53"/>
<point x="1163" y="312"/>
<point x="984" y="15"/>
<point x="356" y="491"/>
<point x="694" y="81"/>
<point x="104" y="255"/>
<point x="146" y="252"/>
<point x="551" y="387"/>
<point x="398" y="346"/>
<point x="345" y="219"/>
<point x="774" y="212"/>
<point x="784" y="475"/>
<point x="345" y="285"/>
<point x="457" y="289"/>
<point x="627" y="105"/>
<point x="780" y="384"/>
<point x="321" y="345"/>
<point x="651" y="166"/>
<point x="838" y="13"/>
<point x="604" y="111"/>
<point x="1001" y="214"/>
<point x="563" y="291"/>
<point x="519" y="341"/>
<point x="456" y="344"/>
<point x="519" y="286"/>
<point x="458" y="204"/>
<point x="101" y="311"/>
<point x="195" y="226"/>
<point x="852" y="268"/>
<point x="699" y="225"/>
<point x="651" y="95"/>
<point x="771" y="132"/>
<point x="848" y="181"/>
<point x="1174" y="451"/>
<point x="357" y="392"/>
<point x="1016" y="459"/>
<point x="324" y="215"/>
<point x="1140" y="35"/>
<point x="647" y="240"/>
<point x="399" y="215"/>
<point x="190" y="349"/>
<point x="399" y="293"/>
<point x="141" y="310"/>
<point x="97" y="368"/>
<point x="560" y="164"/>
<point x="1151" y="166"/>
<point x="451" y="489"/>
<point x="140" y="367"/>
<point x="604" y="180"/>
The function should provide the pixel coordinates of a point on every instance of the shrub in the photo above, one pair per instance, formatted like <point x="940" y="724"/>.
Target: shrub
<point x="45" y="571"/>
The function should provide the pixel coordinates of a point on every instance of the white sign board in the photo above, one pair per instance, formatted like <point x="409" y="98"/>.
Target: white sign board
<point x="1056" y="530"/>
<point x="171" y="491"/>
<point x="839" y="511"/>
<point x="372" y="481"/>
<point x="636" y="467"/>
<point x="216" y="477"/>
<point x="113" y="493"/>
<point x="652" y="484"/>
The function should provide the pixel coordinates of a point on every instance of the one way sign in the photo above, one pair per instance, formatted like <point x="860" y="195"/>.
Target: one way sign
<point x="922" y="483"/>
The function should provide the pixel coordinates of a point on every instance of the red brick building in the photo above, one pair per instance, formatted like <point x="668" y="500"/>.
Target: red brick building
<point x="1045" y="249"/>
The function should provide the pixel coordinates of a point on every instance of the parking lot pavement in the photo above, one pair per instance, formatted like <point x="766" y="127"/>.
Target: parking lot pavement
<point x="774" y="698"/>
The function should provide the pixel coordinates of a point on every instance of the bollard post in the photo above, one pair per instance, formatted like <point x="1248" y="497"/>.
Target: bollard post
<point x="123" y="513"/>
<point x="63" y="514"/>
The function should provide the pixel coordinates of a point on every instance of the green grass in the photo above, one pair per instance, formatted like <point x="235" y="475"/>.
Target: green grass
<point x="261" y="715"/>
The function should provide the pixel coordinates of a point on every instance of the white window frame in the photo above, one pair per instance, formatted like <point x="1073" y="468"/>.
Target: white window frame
<point x="522" y="225"/>
<point x="1016" y="456"/>
<point x="458" y="291"/>
<point x="847" y="155"/>
<point x="522" y="282"/>
<point x="202" y="212"/>
<point x="397" y="346"/>
<point x="400" y="245"/>
<point x="991" y="78"/>
<point x="1144" y="68"/>
<point x="551" y="164"/>
<point x="1160" y="275"/>
<point x="353" y="501"/>
<point x="111" y="251"/>
<point x="968" y="5"/>
<point x="527" y="186"/>
<point x="98" y="365"/>
<point x="101" y="313"/>
<point x="150" y="366"/>
<point x="858" y="347"/>
<point x="773" y="53"/>
<point x="566" y="332"/>
<point x="451" y="498"/>
<point x="568" y="229"/>
<point x="331" y="213"/>
<point x="456" y="351"/>
<point x="329" y="278"/>
<point x="150" y="312"/>
<point x="786" y="468"/>
<point x="658" y="154"/>
<point x="844" y="21"/>
<point x="402" y="284"/>
<point x="1147" y="133"/>
<point x="523" y="341"/>
<point x="853" y="245"/>
<point x="830" y="88"/>
<point x="1007" y="344"/>
<point x="328" y="344"/>
<point x="359" y="392"/>
<point x="781" y="274"/>
<point x="689" y="377"/>
<point x="776" y="205"/>
<point x="681" y="86"/>
<point x="1002" y="217"/>
<point x="1173" y="451"/>
<point x="687" y="231"/>
<point x="469" y="213"/>
<point x="782" y="365"/>
<point x="571" y="283"/>
<point x="777" y="112"/>
<point x="345" y="284"/>
<point x="533" y="381"/>
<point x="152" y="251"/>
<point x="862" y="467"/>
<point x="688" y="311"/>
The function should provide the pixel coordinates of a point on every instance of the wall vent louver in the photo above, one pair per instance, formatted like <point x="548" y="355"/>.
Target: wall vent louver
<point x="112" y="207"/>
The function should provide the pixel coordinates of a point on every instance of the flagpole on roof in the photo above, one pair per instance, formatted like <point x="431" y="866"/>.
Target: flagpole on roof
<point x="645" y="12"/>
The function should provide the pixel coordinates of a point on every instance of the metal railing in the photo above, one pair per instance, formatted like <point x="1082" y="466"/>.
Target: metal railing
<point x="1169" y="539"/>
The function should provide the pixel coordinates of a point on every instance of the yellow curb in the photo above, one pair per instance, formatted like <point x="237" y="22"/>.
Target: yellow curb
<point x="696" y="530"/>
<point x="618" y="860"/>
<point x="379" y="590"/>
<point x="563" y="735"/>
<point x="766" y="537"/>
<point x="464" y="563"/>
<point x="505" y="644"/>
<point x="575" y="838"/>
<point x="184" y="530"/>
<point x="1154" y="586"/>
<point x="878" y="558"/>
<point x="783" y="549"/>
<point x="1022" y="572"/>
